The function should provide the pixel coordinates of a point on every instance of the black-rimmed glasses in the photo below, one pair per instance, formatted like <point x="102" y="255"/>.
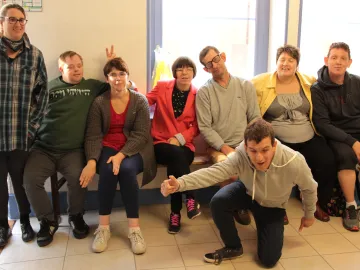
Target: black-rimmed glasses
<point x="13" y="20"/>
<point x="216" y="59"/>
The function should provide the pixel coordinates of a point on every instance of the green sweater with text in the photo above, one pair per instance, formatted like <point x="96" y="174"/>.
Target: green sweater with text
<point x="63" y="126"/>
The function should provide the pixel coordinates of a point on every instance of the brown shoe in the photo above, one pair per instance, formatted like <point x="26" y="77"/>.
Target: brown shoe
<point x="286" y="220"/>
<point x="320" y="214"/>
<point x="242" y="217"/>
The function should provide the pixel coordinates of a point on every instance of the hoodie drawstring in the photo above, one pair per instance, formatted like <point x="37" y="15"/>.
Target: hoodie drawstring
<point x="277" y="166"/>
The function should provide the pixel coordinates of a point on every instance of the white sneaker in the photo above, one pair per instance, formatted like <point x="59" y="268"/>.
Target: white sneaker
<point x="102" y="236"/>
<point x="138" y="244"/>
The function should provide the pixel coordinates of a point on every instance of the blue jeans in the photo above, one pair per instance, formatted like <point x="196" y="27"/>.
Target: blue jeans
<point x="129" y="188"/>
<point x="269" y="222"/>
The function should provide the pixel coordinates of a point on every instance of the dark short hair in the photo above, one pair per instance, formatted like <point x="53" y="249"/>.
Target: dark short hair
<point x="70" y="54"/>
<point x="183" y="61"/>
<point x="205" y="51"/>
<point x="6" y="7"/>
<point x="257" y="130"/>
<point x="291" y="50"/>
<point x="339" y="45"/>
<point x="117" y="63"/>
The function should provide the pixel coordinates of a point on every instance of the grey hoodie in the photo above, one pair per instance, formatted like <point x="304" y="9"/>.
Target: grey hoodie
<point x="271" y="188"/>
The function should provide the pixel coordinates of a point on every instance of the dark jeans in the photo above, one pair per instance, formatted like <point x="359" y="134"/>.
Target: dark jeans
<point x="178" y="160"/>
<point x="321" y="160"/>
<point x="269" y="221"/>
<point x="13" y="162"/>
<point x="129" y="188"/>
<point x="40" y="166"/>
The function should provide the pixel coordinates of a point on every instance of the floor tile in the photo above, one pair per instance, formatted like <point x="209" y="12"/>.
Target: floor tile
<point x="290" y="230"/>
<point x="296" y="246"/>
<point x="308" y="263"/>
<point x="346" y="261"/>
<point x="244" y="232"/>
<point x="196" y="235"/>
<point x="330" y="243"/>
<point x="176" y="268"/>
<point x="159" y="257"/>
<point x="153" y="216"/>
<point x="53" y="264"/>
<point x="317" y="228"/>
<point x="115" y="259"/>
<point x="155" y="237"/>
<point x="193" y="254"/>
<point x="294" y="209"/>
<point x="254" y="266"/>
<point x="31" y="251"/>
<point x="118" y="240"/>
<point x="354" y="238"/>
<point x="336" y="223"/>
<point x="222" y="266"/>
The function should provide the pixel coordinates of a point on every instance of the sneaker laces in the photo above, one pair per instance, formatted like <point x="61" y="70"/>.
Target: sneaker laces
<point x="100" y="235"/>
<point x="219" y="254"/>
<point x="190" y="204"/>
<point x="351" y="213"/>
<point x="136" y="237"/>
<point x="175" y="219"/>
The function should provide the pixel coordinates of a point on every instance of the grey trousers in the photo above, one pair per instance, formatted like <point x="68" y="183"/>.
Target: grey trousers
<point x="41" y="165"/>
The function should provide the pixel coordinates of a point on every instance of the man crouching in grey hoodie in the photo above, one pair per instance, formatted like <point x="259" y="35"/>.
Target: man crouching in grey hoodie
<point x="268" y="171"/>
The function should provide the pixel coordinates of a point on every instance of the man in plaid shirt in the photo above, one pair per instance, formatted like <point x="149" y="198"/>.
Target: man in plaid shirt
<point x="23" y="99"/>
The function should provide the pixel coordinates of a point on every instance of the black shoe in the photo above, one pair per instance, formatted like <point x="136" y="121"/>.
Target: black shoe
<point x="242" y="217"/>
<point x="46" y="233"/>
<point x="79" y="227"/>
<point x="174" y="223"/>
<point x="27" y="232"/>
<point x="192" y="208"/>
<point x="223" y="254"/>
<point x="5" y="234"/>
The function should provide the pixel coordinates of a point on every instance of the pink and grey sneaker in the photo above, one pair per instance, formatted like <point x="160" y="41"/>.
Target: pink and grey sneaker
<point x="192" y="208"/>
<point x="350" y="219"/>
<point x="174" y="223"/>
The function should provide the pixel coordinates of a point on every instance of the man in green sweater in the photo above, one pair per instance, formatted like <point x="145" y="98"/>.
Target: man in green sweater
<point x="268" y="171"/>
<point x="225" y="104"/>
<point x="58" y="146"/>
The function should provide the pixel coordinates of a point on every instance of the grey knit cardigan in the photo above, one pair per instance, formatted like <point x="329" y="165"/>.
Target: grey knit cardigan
<point x="136" y="129"/>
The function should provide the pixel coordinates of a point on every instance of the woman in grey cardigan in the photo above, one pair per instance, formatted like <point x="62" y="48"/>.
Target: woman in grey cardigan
<point x="118" y="143"/>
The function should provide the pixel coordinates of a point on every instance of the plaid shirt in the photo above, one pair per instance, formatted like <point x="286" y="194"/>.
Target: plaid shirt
<point x="23" y="96"/>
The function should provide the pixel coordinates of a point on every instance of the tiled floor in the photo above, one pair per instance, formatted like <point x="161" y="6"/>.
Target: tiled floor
<point x="323" y="246"/>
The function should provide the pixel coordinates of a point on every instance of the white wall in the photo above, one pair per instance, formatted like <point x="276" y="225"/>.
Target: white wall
<point x="87" y="27"/>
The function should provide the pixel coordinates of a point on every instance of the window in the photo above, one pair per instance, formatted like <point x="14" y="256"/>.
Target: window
<point x="324" y="22"/>
<point x="240" y="28"/>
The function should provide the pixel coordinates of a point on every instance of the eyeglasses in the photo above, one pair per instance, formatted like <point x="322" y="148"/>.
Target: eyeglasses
<point x="188" y="69"/>
<point x="114" y="75"/>
<point x="216" y="59"/>
<point x="13" y="20"/>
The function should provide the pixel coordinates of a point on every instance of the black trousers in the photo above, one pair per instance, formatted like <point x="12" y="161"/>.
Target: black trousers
<point x="269" y="222"/>
<point x="344" y="154"/>
<point x="13" y="162"/>
<point x="321" y="160"/>
<point x="178" y="160"/>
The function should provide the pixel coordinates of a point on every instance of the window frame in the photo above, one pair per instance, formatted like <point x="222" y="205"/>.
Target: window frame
<point x="262" y="29"/>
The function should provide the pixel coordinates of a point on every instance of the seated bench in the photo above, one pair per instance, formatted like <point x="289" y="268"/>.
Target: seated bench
<point x="200" y="161"/>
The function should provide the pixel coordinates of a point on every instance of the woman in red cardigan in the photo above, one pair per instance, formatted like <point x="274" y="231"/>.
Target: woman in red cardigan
<point x="173" y="128"/>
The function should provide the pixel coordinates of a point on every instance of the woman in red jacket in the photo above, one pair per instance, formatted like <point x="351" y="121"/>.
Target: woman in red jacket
<point x="173" y="128"/>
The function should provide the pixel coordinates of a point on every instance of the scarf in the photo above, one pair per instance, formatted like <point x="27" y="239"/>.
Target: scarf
<point x="14" y="45"/>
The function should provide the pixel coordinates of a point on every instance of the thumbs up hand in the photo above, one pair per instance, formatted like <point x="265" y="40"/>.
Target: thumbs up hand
<point x="169" y="186"/>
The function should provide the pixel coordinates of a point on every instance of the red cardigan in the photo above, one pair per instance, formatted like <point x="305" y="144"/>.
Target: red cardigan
<point x="164" y="124"/>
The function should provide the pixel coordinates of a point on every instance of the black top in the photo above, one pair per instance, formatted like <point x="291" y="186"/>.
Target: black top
<point x="336" y="112"/>
<point x="179" y="100"/>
